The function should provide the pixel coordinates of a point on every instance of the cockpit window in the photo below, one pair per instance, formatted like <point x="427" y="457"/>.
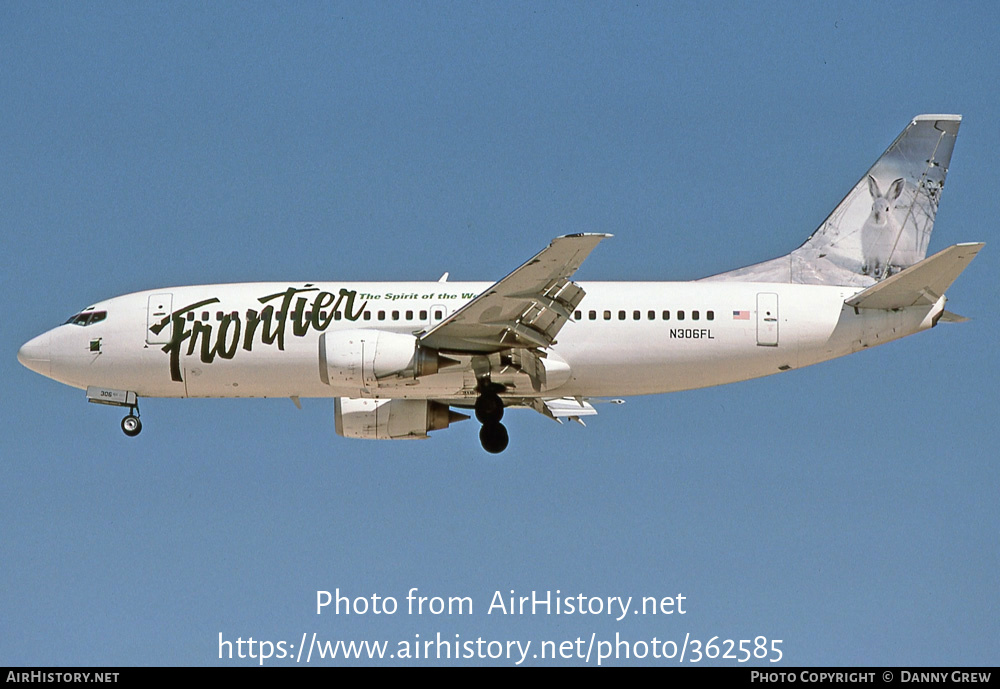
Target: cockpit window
<point x="87" y="318"/>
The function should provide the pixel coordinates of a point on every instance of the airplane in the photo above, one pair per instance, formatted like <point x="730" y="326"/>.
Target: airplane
<point x="400" y="358"/>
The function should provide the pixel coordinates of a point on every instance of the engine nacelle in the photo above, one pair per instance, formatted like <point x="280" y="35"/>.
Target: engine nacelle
<point x="360" y="358"/>
<point x="391" y="419"/>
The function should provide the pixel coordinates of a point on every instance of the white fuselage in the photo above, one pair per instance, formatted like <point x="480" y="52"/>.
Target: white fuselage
<point x="626" y="338"/>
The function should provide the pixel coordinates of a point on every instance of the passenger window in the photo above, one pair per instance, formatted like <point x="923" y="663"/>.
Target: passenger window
<point x="695" y="315"/>
<point x="204" y="315"/>
<point x="710" y="315"/>
<point x="395" y="315"/>
<point x="438" y="315"/>
<point x="593" y="315"/>
<point x="368" y="315"/>
<point x="636" y="315"/>
<point x="577" y="315"/>
<point x="337" y="316"/>
<point x="381" y="315"/>
<point x="666" y="315"/>
<point x="409" y="315"/>
<point x="651" y="315"/>
<point x="680" y="315"/>
<point x="423" y="315"/>
<point x="607" y="315"/>
<point x="621" y="315"/>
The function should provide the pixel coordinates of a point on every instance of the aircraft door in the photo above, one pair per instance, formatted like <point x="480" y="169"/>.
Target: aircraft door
<point x="767" y="319"/>
<point x="159" y="307"/>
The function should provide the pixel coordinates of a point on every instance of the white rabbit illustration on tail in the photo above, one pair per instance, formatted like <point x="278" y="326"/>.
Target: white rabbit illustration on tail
<point x="880" y="231"/>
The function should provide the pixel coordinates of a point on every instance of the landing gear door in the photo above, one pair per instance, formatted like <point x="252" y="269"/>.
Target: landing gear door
<point x="767" y="319"/>
<point x="159" y="308"/>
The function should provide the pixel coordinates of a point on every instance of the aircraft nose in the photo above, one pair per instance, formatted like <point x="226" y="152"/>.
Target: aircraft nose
<point x="34" y="354"/>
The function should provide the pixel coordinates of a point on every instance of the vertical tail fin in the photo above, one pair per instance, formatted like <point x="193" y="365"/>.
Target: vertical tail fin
<point x="884" y="223"/>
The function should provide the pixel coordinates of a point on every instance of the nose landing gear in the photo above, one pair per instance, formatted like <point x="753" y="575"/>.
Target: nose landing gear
<point x="131" y="425"/>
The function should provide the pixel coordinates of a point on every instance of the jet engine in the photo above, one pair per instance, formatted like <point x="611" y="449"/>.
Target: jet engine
<point x="360" y="358"/>
<point x="391" y="419"/>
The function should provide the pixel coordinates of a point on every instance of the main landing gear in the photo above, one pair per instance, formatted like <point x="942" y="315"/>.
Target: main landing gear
<point x="489" y="411"/>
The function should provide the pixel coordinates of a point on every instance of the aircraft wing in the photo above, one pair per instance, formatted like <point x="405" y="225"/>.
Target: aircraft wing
<point x="526" y="309"/>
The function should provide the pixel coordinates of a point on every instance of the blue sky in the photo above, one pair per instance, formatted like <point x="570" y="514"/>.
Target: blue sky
<point x="848" y="509"/>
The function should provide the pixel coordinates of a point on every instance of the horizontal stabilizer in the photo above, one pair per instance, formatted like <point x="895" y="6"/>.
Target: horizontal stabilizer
<point x="920" y="284"/>
<point x="949" y="317"/>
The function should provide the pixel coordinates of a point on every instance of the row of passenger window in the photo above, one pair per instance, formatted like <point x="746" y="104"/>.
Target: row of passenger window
<point x="397" y="315"/>
<point x="651" y="315"/>
<point x="92" y="317"/>
<point x="337" y="315"/>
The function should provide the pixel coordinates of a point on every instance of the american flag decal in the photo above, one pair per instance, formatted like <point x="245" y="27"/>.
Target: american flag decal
<point x="741" y="315"/>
